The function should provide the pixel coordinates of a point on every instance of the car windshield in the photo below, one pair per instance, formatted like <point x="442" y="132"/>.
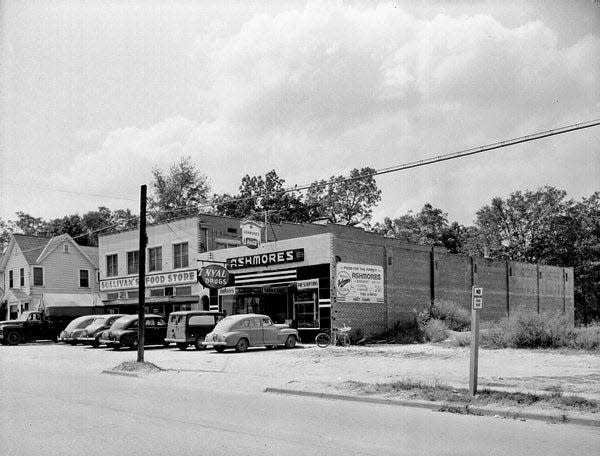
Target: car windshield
<point x="225" y="324"/>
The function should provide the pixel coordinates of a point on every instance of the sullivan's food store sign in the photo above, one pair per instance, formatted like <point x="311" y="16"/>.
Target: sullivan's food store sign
<point x="266" y="259"/>
<point x="152" y="280"/>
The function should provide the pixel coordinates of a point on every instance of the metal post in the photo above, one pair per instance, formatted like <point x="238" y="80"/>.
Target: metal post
<point x="474" y="352"/>
<point x="142" y="277"/>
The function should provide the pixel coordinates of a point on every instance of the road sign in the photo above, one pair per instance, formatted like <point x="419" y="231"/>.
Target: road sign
<point x="477" y="291"/>
<point x="477" y="303"/>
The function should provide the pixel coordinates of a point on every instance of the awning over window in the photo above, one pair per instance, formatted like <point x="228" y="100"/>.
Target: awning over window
<point x="70" y="304"/>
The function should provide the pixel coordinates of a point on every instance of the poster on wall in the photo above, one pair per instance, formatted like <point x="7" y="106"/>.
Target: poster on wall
<point x="359" y="282"/>
<point x="251" y="233"/>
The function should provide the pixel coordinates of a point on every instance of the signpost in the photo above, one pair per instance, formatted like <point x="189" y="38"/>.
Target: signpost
<point x="476" y="306"/>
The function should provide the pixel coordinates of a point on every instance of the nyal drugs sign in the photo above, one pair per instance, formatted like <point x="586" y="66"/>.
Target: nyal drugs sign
<point x="214" y="276"/>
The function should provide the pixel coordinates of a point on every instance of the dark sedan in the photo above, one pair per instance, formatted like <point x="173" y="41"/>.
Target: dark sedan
<point x="91" y="334"/>
<point x="124" y="332"/>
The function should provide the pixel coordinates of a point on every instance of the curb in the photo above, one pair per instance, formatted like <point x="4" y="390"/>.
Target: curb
<point x="123" y="374"/>
<point x="445" y="407"/>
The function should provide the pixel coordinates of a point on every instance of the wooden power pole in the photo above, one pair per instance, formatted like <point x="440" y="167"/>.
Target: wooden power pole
<point x="142" y="277"/>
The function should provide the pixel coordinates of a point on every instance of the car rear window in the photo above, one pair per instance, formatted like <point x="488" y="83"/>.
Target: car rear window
<point x="99" y="321"/>
<point x="225" y="324"/>
<point x="202" y="320"/>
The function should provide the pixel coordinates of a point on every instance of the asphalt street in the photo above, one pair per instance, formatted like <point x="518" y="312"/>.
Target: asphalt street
<point x="49" y="409"/>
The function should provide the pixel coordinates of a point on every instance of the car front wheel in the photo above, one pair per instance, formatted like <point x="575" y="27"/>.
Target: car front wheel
<point x="290" y="342"/>
<point x="198" y="343"/>
<point x="242" y="345"/>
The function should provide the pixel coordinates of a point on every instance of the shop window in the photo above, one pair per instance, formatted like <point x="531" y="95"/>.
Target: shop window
<point x="157" y="292"/>
<point x="112" y="296"/>
<point x="112" y="265"/>
<point x="168" y="291"/>
<point x="10" y="279"/>
<point x="180" y="255"/>
<point x="155" y="259"/>
<point x="183" y="291"/>
<point x="38" y="277"/>
<point x="22" y="277"/>
<point x="84" y="278"/>
<point x="133" y="261"/>
<point x="133" y="294"/>
<point x="232" y="230"/>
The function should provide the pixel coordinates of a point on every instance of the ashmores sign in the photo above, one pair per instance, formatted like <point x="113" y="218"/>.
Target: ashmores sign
<point x="266" y="259"/>
<point x="152" y="280"/>
<point x="251" y="233"/>
<point x="359" y="282"/>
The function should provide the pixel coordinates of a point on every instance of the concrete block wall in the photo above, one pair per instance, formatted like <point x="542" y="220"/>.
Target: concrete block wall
<point x="452" y="278"/>
<point x="522" y="286"/>
<point x="491" y="275"/>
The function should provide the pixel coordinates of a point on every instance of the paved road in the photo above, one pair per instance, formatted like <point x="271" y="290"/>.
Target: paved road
<point x="48" y="410"/>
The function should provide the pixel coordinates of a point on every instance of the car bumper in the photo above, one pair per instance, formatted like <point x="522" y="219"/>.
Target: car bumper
<point x="109" y="343"/>
<point x="87" y="340"/>
<point x="178" y="341"/>
<point x="216" y="344"/>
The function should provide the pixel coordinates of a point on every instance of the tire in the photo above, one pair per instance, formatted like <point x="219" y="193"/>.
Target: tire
<point x="95" y="343"/>
<point x="344" y="340"/>
<point x="290" y="342"/>
<point x="323" y="340"/>
<point x="242" y="345"/>
<point x="182" y="345"/>
<point x="13" y="338"/>
<point x="198" y="343"/>
<point x="220" y="348"/>
<point x="116" y="346"/>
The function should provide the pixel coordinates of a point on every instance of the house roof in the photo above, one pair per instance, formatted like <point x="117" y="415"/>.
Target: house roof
<point x="91" y="252"/>
<point x="31" y="246"/>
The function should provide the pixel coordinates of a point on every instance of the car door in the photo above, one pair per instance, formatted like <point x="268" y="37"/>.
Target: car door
<point x="270" y="331"/>
<point x="161" y="330"/>
<point x="150" y="334"/>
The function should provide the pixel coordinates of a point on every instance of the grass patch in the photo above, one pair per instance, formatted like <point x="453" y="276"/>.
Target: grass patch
<point x="460" y="397"/>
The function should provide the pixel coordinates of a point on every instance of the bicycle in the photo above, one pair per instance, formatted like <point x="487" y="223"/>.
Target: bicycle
<point x="339" y="336"/>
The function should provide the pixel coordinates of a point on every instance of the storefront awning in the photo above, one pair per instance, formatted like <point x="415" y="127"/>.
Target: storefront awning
<point x="68" y="304"/>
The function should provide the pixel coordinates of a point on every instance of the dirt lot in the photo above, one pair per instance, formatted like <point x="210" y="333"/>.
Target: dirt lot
<point x="332" y="370"/>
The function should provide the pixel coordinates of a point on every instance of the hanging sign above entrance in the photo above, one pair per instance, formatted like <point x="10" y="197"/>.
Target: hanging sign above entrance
<point x="214" y="276"/>
<point x="251" y="233"/>
<point x="266" y="259"/>
<point x="359" y="282"/>
<point x="307" y="284"/>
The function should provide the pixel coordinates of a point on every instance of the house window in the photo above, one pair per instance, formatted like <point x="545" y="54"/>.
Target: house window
<point x="155" y="259"/>
<point x="38" y="277"/>
<point x="133" y="261"/>
<point x="84" y="278"/>
<point x="66" y="248"/>
<point x="10" y="279"/>
<point x="22" y="277"/>
<point x="112" y="265"/>
<point x="180" y="255"/>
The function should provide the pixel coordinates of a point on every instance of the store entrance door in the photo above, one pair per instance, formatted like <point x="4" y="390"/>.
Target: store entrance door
<point x="306" y="309"/>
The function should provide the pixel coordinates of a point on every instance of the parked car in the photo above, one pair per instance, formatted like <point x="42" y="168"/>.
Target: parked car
<point x="250" y="330"/>
<point x="124" y="332"/>
<point x="74" y="329"/>
<point x="91" y="334"/>
<point x="190" y="327"/>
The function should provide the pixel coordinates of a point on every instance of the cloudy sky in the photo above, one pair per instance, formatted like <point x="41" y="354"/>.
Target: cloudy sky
<point x="94" y="94"/>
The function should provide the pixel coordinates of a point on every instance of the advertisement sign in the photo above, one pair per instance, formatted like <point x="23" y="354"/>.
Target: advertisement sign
<point x="251" y="233"/>
<point x="359" y="282"/>
<point x="307" y="284"/>
<point x="227" y="291"/>
<point x="167" y="279"/>
<point x="266" y="259"/>
<point x="214" y="276"/>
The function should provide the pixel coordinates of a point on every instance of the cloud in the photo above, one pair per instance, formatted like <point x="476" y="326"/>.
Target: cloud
<point x="317" y="91"/>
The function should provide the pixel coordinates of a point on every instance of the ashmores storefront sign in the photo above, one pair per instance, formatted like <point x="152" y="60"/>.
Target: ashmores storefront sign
<point x="359" y="282"/>
<point x="152" y="280"/>
<point x="266" y="259"/>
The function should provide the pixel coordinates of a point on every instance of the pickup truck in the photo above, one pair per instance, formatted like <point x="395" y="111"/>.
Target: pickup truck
<point x="32" y="326"/>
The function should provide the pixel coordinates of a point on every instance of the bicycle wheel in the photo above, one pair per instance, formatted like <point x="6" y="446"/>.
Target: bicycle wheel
<point x="344" y="339"/>
<point x="323" y="340"/>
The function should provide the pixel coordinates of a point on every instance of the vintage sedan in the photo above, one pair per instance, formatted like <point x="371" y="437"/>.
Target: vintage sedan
<point x="250" y="330"/>
<point x="190" y="327"/>
<point x="124" y="332"/>
<point x="91" y="334"/>
<point x="73" y="330"/>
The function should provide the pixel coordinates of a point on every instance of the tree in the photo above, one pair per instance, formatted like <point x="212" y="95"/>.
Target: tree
<point x="347" y="201"/>
<point x="6" y="229"/>
<point x="179" y="192"/>
<point x="260" y="194"/>
<point x="29" y="225"/>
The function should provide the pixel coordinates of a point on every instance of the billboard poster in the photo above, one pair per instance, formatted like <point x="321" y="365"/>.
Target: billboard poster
<point x="359" y="282"/>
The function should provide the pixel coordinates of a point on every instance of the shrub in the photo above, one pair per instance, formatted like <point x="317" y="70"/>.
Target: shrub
<point x="456" y="317"/>
<point x="405" y="331"/>
<point x="435" y="330"/>
<point x="586" y="337"/>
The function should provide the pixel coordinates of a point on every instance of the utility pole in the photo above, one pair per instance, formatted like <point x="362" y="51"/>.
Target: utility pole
<point x="142" y="277"/>
<point x="266" y="224"/>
